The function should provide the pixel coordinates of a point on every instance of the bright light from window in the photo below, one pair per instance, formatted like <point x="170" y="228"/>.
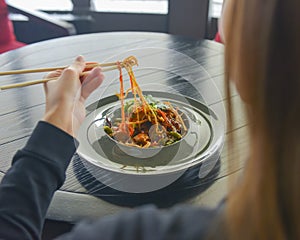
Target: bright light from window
<point x="216" y="8"/>
<point x="50" y="5"/>
<point x="132" y="6"/>
<point x="122" y="6"/>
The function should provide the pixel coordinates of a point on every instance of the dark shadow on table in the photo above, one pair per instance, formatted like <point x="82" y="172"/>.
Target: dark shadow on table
<point x="186" y="187"/>
<point x="189" y="185"/>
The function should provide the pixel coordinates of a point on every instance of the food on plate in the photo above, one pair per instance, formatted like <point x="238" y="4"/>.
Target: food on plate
<point x="143" y="121"/>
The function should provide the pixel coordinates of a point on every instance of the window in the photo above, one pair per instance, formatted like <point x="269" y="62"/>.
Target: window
<point x="132" y="6"/>
<point x="121" y="6"/>
<point x="216" y="8"/>
<point x="51" y="5"/>
<point x="180" y="17"/>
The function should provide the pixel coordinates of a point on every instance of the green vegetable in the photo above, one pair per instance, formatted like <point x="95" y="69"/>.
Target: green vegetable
<point x="175" y="135"/>
<point x="169" y="142"/>
<point x="128" y="105"/>
<point x="155" y="103"/>
<point x="108" y="130"/>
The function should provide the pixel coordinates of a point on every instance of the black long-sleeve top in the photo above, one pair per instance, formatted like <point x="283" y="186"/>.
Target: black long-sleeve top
<point x="38" y="170"/>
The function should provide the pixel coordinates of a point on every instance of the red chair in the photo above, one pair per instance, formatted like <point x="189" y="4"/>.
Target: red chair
<point x="7" y="36"/>
<point x="218" y="38"/>
<point x="39" y="26"/>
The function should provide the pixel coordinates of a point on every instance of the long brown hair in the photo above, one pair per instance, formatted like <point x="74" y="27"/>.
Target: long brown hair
<point x="262" y="56"/>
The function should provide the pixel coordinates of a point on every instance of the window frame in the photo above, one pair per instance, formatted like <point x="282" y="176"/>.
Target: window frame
<point x="188" y="18"/>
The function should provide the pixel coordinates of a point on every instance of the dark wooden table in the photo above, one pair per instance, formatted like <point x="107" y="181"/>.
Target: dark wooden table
<point x="177" y="64"/>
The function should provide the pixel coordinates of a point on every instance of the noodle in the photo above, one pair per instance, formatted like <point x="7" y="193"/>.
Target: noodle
<point x="145" y="122"/>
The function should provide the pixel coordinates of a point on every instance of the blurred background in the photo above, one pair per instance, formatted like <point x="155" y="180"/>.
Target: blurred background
<point x="36" y="20"/>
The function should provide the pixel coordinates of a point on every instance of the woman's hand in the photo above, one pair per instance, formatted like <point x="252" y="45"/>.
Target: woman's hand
<point x="65" y="96"/>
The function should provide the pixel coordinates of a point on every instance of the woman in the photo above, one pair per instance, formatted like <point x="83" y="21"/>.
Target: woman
<point x="262" y="57"/>
<point x="262" y="52"/>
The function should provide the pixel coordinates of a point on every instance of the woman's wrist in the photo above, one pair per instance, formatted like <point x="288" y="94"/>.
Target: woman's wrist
<point x="60" y="117"/>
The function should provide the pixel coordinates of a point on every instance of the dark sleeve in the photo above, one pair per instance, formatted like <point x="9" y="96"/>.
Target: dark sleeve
<point x="148" y="223"/>
<point x="37" y="171"/>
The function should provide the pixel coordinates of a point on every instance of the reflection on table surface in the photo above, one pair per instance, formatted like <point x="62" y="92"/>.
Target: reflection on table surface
<point x="167" y="63"/>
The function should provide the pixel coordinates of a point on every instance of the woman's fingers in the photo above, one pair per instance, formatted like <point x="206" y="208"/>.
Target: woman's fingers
<point x="91" y="82"/>
<point x="74" y="70"/>
<point x="54" y="74"/>
<point x="69" y="79"/>
<point x="78" y="65"/>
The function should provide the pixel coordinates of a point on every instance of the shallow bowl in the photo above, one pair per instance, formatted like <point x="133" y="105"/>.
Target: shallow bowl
<point x="131" y="169"/>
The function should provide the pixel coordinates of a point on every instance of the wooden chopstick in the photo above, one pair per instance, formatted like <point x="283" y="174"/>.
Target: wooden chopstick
<point x="24" y="71"/>
<point x="33" y="82"/>
<point x="129" y="61"/>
